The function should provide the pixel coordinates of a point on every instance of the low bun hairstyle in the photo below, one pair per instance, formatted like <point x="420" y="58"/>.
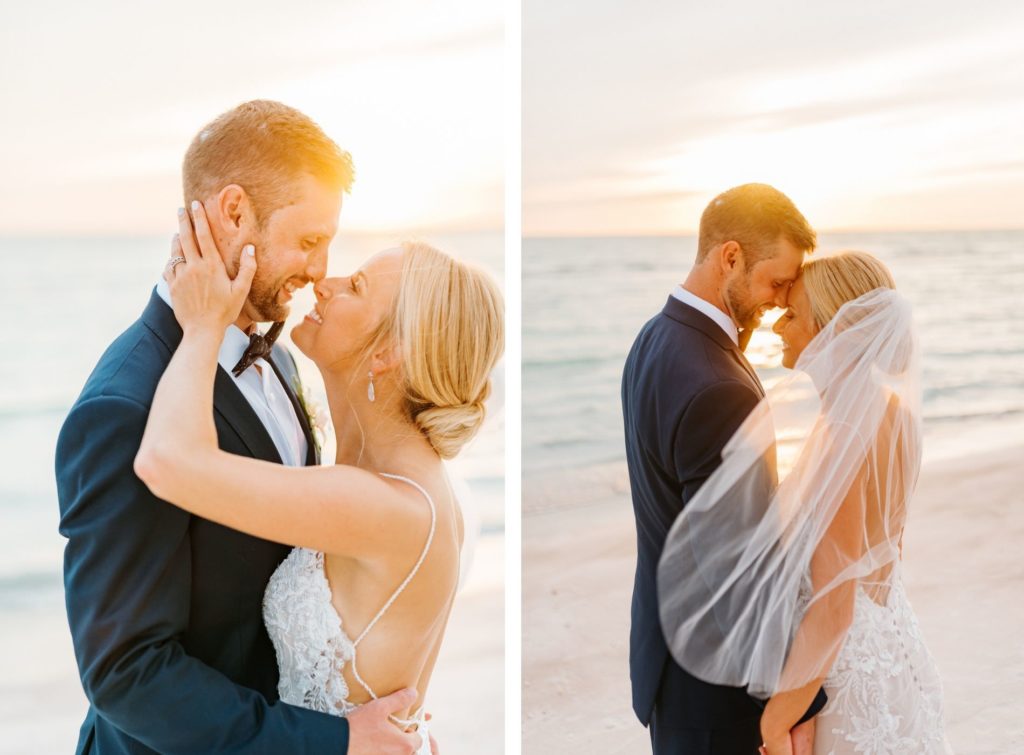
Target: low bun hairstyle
<point x="449" y="324"/>
<point x="832" y="281"/>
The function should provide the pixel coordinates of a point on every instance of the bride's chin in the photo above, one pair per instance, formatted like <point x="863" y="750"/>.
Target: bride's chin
<point x="300" y="339"/>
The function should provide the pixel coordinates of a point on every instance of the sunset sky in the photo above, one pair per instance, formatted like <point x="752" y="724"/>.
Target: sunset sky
<point x="101" y="99"/>
<point x="870" y="115"/>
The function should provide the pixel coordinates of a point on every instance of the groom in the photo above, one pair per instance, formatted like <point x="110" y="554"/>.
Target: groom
<point x="165" y="608"/>
<point x="686" y="389"/>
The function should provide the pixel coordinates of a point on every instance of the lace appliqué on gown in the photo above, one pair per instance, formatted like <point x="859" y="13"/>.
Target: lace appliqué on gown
<point x="312" y="648"/>
<point x="885" y="694"/>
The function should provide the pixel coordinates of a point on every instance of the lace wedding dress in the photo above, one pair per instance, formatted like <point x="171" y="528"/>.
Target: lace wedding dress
<point x="312" y="646"/>
<point x="884" y="691"/>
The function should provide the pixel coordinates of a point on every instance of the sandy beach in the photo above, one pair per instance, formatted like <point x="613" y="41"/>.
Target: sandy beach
<point x="964" y="574"/>
<point x="467" y="692"/>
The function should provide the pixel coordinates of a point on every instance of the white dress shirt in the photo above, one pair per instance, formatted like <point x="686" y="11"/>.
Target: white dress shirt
<point x="261" y="389"/>
<point x="707" y="308"/>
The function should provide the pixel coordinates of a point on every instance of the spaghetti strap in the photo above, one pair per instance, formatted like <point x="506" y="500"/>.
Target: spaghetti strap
<point x="398" y="591"/>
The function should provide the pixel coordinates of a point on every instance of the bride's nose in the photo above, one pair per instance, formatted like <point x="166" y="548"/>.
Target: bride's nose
<point x="777" y="328"/>
<point x="322" y="289"/>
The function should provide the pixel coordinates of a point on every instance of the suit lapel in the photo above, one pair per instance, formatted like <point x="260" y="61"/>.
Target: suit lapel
<point x="228" y="402"/>
<point x="742" y="359"/>
<point x="159" y="318"/>
<point x="687" y="315"/>
<point x="694" y="318"/>
<point x="312" y="452"/>
<point x="235" y="410"/>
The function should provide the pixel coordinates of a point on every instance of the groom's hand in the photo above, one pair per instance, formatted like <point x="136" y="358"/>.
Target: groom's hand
<point x="802" y="737"/>
<point x="371" y="733"/>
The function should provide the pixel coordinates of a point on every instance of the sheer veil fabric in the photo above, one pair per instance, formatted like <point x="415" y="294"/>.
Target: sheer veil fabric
<point x="757" y="581"/>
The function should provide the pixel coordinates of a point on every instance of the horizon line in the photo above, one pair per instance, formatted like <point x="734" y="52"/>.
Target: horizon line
<point x="93" y="234"/>
<point x="822" y="231"/>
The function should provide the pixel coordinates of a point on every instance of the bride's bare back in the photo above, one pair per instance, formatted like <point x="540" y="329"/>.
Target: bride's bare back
<point x="401" y="648"/>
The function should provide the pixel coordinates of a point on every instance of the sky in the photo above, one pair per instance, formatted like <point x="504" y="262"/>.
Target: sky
<point x="870" y="115"/>
<point x="101" y="99"/>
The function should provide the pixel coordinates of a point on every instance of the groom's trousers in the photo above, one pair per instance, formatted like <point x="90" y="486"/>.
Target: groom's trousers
<point x="741" y="738"/>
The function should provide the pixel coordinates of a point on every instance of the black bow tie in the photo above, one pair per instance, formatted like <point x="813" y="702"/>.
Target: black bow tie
<point x="259" y="348"/>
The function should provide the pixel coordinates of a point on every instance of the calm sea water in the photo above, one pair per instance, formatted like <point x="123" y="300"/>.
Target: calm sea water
<point x="66" y="299"/>
<point x="585" y="299"/>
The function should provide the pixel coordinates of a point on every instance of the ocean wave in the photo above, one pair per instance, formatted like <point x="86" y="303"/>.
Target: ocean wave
<point x="996" y="414"/>
<point x="560" y="361"/>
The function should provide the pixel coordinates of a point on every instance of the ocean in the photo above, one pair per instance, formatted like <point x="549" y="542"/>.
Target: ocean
<point x="67" y="299"/>
<point x="585" y="299"/>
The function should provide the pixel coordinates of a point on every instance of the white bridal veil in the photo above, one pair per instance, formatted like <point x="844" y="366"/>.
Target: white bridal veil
<point x="759" y="572"/>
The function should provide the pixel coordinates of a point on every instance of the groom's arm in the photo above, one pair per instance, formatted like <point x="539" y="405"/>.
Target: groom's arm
<point x="127" y="568"/>
<point x="710" y="420"/>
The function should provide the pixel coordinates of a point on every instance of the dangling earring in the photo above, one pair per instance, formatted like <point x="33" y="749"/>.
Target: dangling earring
<point x="369" y="391"/>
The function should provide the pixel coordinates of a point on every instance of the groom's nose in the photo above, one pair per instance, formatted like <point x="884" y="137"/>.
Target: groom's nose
<point x="316" y="266"/>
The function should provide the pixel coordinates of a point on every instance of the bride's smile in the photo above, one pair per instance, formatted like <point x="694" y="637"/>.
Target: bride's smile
<point x="349" y="312"/>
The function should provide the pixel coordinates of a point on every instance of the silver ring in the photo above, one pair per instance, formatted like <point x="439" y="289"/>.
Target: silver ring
<point x="175" y="261"/>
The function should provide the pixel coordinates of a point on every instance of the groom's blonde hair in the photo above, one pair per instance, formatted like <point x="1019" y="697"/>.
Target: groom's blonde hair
<point x="448" y="323"/>
<point x="264" y="147"/>
<point x="755" y="216"/>
<point x="832" y="281"/>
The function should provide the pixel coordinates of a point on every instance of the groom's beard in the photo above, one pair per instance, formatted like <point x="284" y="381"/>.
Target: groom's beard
<point x="263" y="294"/>
<point x="263" y="299"/>
<point x="744" y="311"/>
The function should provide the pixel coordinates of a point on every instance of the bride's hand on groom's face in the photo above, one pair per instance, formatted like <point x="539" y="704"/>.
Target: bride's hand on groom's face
<point x="202" y="294"/>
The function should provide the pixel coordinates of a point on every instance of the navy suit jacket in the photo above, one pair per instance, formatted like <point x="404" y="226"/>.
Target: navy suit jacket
<point x="686" y="389"/>
<point x="165" y="608"/>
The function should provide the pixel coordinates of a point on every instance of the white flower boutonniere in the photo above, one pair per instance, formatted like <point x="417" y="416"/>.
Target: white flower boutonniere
<point x="318" y="418"/>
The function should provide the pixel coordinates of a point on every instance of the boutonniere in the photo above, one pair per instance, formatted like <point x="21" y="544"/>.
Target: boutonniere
<point x="318" y="418"/>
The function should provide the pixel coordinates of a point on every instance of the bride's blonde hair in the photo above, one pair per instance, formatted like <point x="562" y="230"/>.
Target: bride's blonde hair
<point x="832" y="281"/>
<point x="448" y="323"/>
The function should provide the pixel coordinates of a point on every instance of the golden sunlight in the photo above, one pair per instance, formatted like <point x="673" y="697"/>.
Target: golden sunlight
<point x="426" y="154"/>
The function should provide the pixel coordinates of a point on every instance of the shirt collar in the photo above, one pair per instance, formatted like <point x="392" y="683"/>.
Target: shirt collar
<point x="707" y="308"/>
<point x="235" y="342"/>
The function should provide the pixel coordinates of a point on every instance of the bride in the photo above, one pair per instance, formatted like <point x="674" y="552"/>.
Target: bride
<point x="406" y="346"/>
<point x="783" y="574"/>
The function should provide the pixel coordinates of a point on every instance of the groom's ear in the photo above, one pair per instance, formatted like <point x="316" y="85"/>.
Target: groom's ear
<point x="730" y="255"/>
<point x="234" y="210"/>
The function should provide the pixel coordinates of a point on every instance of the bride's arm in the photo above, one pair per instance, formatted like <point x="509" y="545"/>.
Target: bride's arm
<point x="823" y="627"/>
<point x="341" y="510"/>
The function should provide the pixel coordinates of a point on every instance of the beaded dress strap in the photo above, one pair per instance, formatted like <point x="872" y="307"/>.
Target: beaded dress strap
<point x="394" y="596"/>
